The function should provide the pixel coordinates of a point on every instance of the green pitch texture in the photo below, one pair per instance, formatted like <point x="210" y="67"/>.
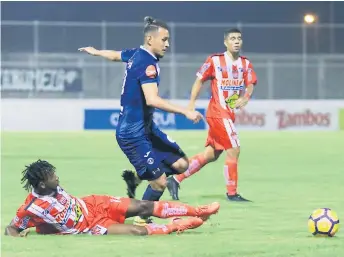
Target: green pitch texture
<point x="286" y="174"/>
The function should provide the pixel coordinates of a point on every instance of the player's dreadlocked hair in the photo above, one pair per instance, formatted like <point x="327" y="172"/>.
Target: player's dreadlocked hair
<point x="35" y="173"/>
<point x="234" y="30"/>
<point x="152" y="24"/>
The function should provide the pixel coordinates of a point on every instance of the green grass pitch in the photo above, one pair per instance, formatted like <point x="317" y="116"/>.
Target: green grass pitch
<point x="286" y="174"/>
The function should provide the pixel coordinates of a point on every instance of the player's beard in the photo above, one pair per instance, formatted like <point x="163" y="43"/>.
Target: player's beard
<point x="159" y="56"/>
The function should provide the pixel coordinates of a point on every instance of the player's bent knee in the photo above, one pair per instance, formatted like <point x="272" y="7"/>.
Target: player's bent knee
<point x="233" y="152"/>
<point x="181" y="165"/>
<point x="159" y="184"/>
<point x="210" y="154"/>
<point x="211" y="157"/>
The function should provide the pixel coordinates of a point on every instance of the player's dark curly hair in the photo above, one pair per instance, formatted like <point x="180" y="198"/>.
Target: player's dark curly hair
<point x="152" y="24"/>
<point x="35" y="173"/>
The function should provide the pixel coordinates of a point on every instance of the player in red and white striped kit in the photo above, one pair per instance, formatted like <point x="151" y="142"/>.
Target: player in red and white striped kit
<point x="53" y="211"/>
<point x="232" y="83"/>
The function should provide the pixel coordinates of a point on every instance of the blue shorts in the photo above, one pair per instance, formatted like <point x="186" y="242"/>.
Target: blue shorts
<point x="151" y="154"/>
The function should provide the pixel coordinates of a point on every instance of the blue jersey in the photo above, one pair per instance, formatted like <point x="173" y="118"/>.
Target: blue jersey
<point x="136" y="118"/>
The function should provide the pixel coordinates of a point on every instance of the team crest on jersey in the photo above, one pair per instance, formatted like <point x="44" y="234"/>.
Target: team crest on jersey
<point x="235" y="74"/>
<point x="151" y="71"/>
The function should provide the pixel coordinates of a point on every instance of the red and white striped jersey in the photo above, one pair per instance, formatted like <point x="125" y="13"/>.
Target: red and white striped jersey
<point x="61" y="213"/>
<point x="228" y="81"/>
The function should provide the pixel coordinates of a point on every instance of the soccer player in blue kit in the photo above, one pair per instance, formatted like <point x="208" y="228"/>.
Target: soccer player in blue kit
<point x="153" y="154"/>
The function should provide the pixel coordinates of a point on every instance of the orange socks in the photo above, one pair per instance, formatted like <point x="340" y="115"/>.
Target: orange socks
<point x="165" y="209"/>
<point x="231" y="175"/>
<point x="196" y="163"/>
<point x="156" y="229"/>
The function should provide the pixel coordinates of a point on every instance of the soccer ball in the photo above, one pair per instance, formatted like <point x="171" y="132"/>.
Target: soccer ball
<point x="323" y="222"/>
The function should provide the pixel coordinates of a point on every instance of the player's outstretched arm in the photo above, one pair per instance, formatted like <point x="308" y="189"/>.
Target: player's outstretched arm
<point x="150" y="91"/>
<point x="13" y="231"/>
<point x="107" y="54"/>
<point x="196" y="89"/>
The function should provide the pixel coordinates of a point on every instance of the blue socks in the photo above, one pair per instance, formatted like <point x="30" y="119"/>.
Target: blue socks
<point x="151" y="195"/>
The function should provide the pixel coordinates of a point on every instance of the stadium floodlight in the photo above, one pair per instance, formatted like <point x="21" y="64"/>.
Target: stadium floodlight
<point x="309" y="18"/>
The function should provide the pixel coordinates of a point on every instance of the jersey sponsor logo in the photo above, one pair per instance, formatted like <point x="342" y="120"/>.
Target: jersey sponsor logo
<point x="232" y="84"/>
<point x="151" y="71"/>
<point x="24" y="222"/>
<point x="63" y="217"/>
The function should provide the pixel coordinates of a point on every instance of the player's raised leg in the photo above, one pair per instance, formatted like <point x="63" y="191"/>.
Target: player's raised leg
<point x="155" y="229"/>
<point x="168" y="209"/>
<point x="148" y="166"/>
<point x="196" y="163"/>
<point x="173" y="161"/>
<point x="122" y="208"/>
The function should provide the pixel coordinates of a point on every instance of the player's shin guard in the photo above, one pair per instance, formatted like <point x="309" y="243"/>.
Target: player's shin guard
<point x="165" y="209"/>
<point x="151" y="195"/>
<point x="231" y="175"/>
<point x="196" y="163"/>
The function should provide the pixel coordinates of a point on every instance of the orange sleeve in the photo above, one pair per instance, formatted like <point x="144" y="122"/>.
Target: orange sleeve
<point x="250" y="75"/>
<point x="23" y="219"/>
<point x="206" y="72"/>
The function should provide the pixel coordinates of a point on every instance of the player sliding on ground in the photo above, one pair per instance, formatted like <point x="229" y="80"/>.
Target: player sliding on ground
<point x="232" y="82"/>
<point x="53" y="211"/>
<point x="153" y="154"/>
